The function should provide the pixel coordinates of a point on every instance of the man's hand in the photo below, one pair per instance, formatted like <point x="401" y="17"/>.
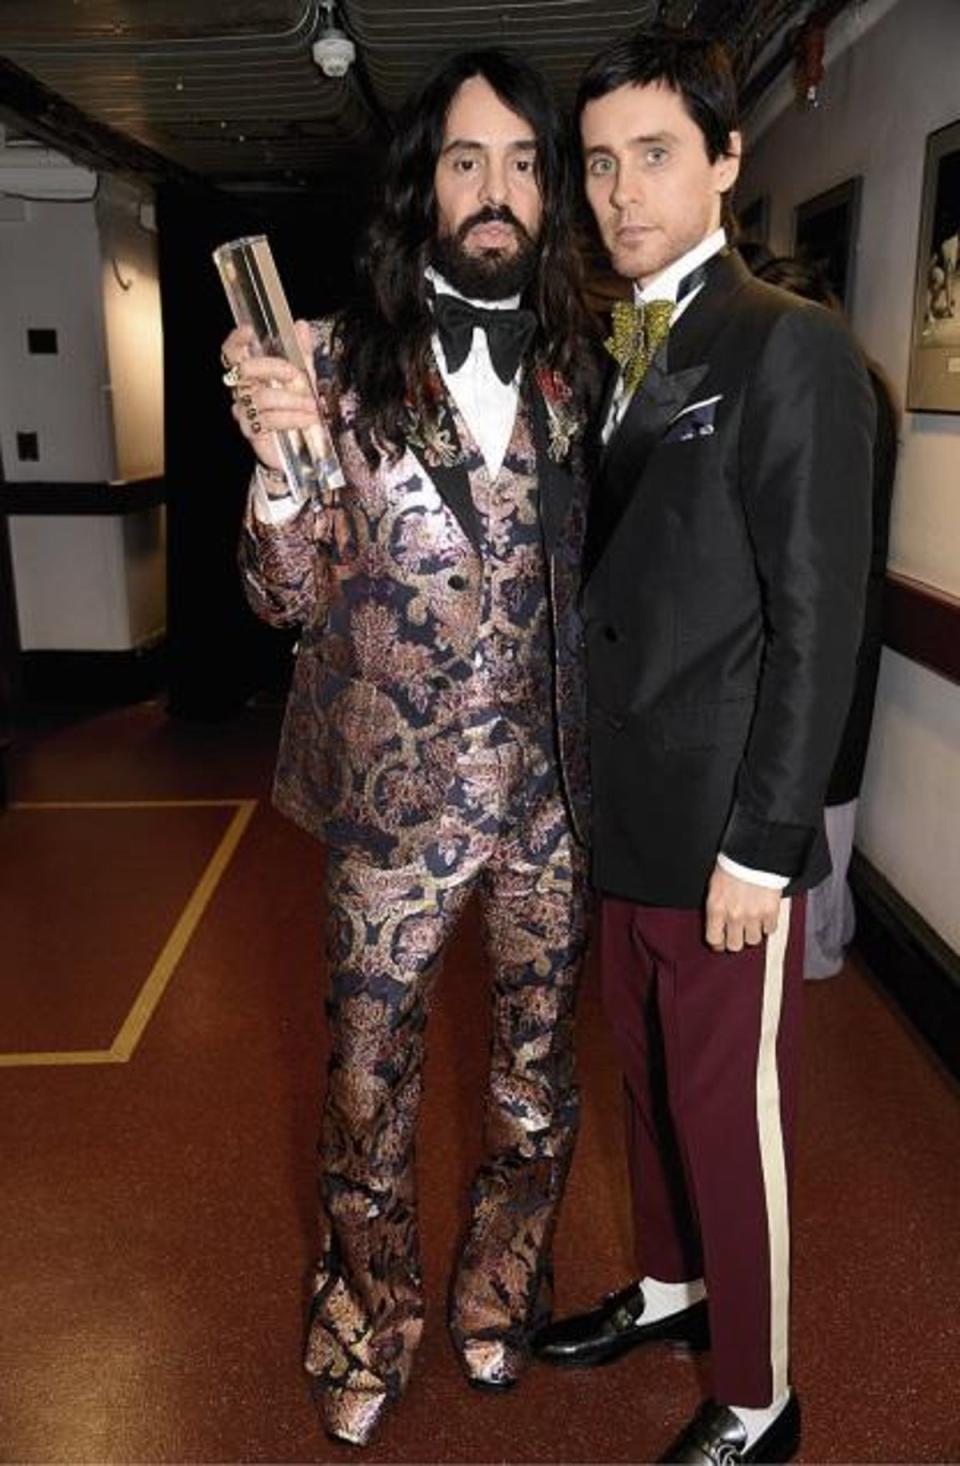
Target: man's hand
<point x="269" y="394"/>
<point x="739" y="912"/>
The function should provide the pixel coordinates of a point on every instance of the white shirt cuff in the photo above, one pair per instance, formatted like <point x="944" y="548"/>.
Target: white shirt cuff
<point x="270" y="510"/>
<point x="768" y="878"/>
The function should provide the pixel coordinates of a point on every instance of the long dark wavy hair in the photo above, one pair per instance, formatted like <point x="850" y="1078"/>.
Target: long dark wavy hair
<point x="385" y="334"/>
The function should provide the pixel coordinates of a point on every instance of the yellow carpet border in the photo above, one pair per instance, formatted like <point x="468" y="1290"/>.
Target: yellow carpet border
<point x="132" y="1029"/>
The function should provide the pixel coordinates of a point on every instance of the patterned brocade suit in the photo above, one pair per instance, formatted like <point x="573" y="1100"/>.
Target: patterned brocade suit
<point x="434" y="738"/>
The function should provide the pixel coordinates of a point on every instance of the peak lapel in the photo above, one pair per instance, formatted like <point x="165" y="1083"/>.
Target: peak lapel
<point x="657" y="401"/>
<point x="676" y="372"/>
<point x="439" y="450"/>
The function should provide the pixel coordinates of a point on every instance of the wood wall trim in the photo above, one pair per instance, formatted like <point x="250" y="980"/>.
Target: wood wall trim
<point x="83" y="498"/>
<point x="909" y="959"/>
<point x="923" y="624"/>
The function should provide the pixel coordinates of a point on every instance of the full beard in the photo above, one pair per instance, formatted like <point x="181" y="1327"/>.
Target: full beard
<point x="487" y="274"/>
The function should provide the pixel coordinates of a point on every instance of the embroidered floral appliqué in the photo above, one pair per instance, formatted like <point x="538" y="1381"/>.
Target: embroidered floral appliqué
<point x="563" y="420"/>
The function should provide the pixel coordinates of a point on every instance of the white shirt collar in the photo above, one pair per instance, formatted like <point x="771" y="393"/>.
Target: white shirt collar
<point x="665" y="285"/>
<point x="443" y="287"/>
<point x="489" y="406"/>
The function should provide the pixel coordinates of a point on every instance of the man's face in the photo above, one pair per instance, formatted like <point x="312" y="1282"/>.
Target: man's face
<point x="488" y="195"/>
<point x="652" y="188"/>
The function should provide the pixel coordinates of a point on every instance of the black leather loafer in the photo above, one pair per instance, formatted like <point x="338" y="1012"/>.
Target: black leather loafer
<point x="616" y="1326"/>
<point x="716" y="1437"/>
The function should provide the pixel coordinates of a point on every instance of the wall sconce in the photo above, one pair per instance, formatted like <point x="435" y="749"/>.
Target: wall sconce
<point x="124" y="283"/>
<point x="808" y="70"/>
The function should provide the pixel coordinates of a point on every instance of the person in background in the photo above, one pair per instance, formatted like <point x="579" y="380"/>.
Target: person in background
<point x="726" y="559"/>
<point x="753" y="253"/>
<point x="435" y="732"/>
<point x="830" y="913"/>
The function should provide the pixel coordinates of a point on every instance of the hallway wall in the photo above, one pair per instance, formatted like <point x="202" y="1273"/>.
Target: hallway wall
<point x="880" y="98"/>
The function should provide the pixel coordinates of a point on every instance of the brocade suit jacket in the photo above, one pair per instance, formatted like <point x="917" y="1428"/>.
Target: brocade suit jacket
<point x="727" y="554"/>
<point x="372" y="729"/>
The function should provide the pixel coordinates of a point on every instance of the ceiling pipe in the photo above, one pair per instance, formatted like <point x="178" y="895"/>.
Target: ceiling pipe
<point x="359" y="77"/>
<point x="50" y="118"/>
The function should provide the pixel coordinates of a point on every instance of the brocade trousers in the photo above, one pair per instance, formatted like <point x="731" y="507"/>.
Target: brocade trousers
<point x="506" y="835"/>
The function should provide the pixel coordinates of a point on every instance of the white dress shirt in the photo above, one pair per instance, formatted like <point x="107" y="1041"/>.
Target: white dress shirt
<point x="488" y="406"/>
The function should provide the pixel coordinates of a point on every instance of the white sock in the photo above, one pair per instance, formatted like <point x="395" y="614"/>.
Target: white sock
<point x="661" y="1299"/>
<point x="757" y="1421"/>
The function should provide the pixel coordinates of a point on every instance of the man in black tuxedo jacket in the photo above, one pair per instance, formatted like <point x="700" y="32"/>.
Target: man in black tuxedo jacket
<point x="725" y="570"/>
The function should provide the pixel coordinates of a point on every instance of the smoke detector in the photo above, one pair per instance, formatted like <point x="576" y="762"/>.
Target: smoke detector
<point x="333" y="51"/>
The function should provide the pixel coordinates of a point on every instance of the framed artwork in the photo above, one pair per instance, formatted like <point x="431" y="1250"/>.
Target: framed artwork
<point x="753" y="222"/>
<point x="825" y="235"/>
<point x="934" y="384"/>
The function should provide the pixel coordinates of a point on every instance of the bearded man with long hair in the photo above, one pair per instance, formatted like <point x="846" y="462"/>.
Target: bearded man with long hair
<point x="434" y="731"/>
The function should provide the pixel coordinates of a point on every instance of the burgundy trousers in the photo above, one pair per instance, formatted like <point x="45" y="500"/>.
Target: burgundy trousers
<point x="709" y="1044"/>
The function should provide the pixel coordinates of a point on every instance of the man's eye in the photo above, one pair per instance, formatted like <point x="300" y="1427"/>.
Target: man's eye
<point x="600" y="166"/>
<point x="524" y="165"/>
<point x="656" y="156"/>
<point x="464" y="165"/>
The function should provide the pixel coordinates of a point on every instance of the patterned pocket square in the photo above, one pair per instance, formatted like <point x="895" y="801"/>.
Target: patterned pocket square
<point x="695" y="421"/>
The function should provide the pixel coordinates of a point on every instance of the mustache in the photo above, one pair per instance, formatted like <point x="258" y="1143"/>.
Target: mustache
<point x="492" y="214"/>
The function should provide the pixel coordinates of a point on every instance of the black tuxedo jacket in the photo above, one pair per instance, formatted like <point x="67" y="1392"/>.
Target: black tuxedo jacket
<point x="726" y="563"/>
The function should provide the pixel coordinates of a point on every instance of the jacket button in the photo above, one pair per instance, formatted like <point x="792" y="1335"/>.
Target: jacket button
<point x="457" y="582"/>
<point x="611" y="633"/>
<point x="614" y="722"/>
<point x="439" y="683"/>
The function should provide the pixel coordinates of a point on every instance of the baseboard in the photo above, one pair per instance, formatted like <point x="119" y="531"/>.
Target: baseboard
<point x="98" y="679"/>
<point x="910" y="961"/>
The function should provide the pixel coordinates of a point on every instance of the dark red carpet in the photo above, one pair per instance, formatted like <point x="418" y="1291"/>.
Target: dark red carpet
<point x="156" y="1215"/>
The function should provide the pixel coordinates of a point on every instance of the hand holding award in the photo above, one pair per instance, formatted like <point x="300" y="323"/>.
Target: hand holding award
<point x="272" y="380"/>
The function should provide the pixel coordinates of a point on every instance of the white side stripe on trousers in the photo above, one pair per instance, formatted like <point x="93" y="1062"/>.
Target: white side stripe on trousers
<point x="772" y="1156"/>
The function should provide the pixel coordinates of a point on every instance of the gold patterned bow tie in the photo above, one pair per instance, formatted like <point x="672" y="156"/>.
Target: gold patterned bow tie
<point x="638" y="329"/>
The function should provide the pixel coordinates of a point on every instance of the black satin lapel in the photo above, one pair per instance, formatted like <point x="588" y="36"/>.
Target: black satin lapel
<point x="609" y="387"/>
<point x="453" y="486"/>
<point x="555" y="483"/>
<point x="691" y="338"/>
<point x="453" y="480"/>
<point x="655" y="404"/>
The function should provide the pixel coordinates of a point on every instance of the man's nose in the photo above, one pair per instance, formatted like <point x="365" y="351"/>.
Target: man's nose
<point x="626" y="189"/>
<point x="493" y="189"/>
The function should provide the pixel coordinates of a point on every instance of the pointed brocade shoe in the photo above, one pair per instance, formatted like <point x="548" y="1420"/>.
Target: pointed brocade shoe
<point x="495" y="1358"/>
<point x="493" y="1364"/>
<point x="351" y="1416"/>
<point x="614" y="1327"/>
<point x="717" y="1437"/>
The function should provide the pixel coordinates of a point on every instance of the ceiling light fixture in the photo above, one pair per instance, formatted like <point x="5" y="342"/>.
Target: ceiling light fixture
<point x="333" y="51"/>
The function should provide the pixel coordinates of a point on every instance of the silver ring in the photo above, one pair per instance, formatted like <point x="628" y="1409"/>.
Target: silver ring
<point x="232" y="377"/>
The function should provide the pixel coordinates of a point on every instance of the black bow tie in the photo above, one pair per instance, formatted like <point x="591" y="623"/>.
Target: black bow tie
<point x="509" y="333"/>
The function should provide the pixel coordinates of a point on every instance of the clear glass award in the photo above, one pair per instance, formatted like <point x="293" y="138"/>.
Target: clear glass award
<point x="257" y="299"/>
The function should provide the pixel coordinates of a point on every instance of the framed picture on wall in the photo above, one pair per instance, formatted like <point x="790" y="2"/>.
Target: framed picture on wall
<point x="825" y="235"/>
<point x="934" y="384"/>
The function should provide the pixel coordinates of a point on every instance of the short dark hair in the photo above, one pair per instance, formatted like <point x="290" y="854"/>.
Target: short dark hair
<point x="695" y="67"/>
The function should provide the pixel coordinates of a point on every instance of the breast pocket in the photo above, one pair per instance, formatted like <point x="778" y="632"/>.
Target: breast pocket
<point x="693" y="424"/>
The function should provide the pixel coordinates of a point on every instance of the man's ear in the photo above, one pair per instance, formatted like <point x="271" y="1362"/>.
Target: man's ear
<point x="728" y="166"/>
